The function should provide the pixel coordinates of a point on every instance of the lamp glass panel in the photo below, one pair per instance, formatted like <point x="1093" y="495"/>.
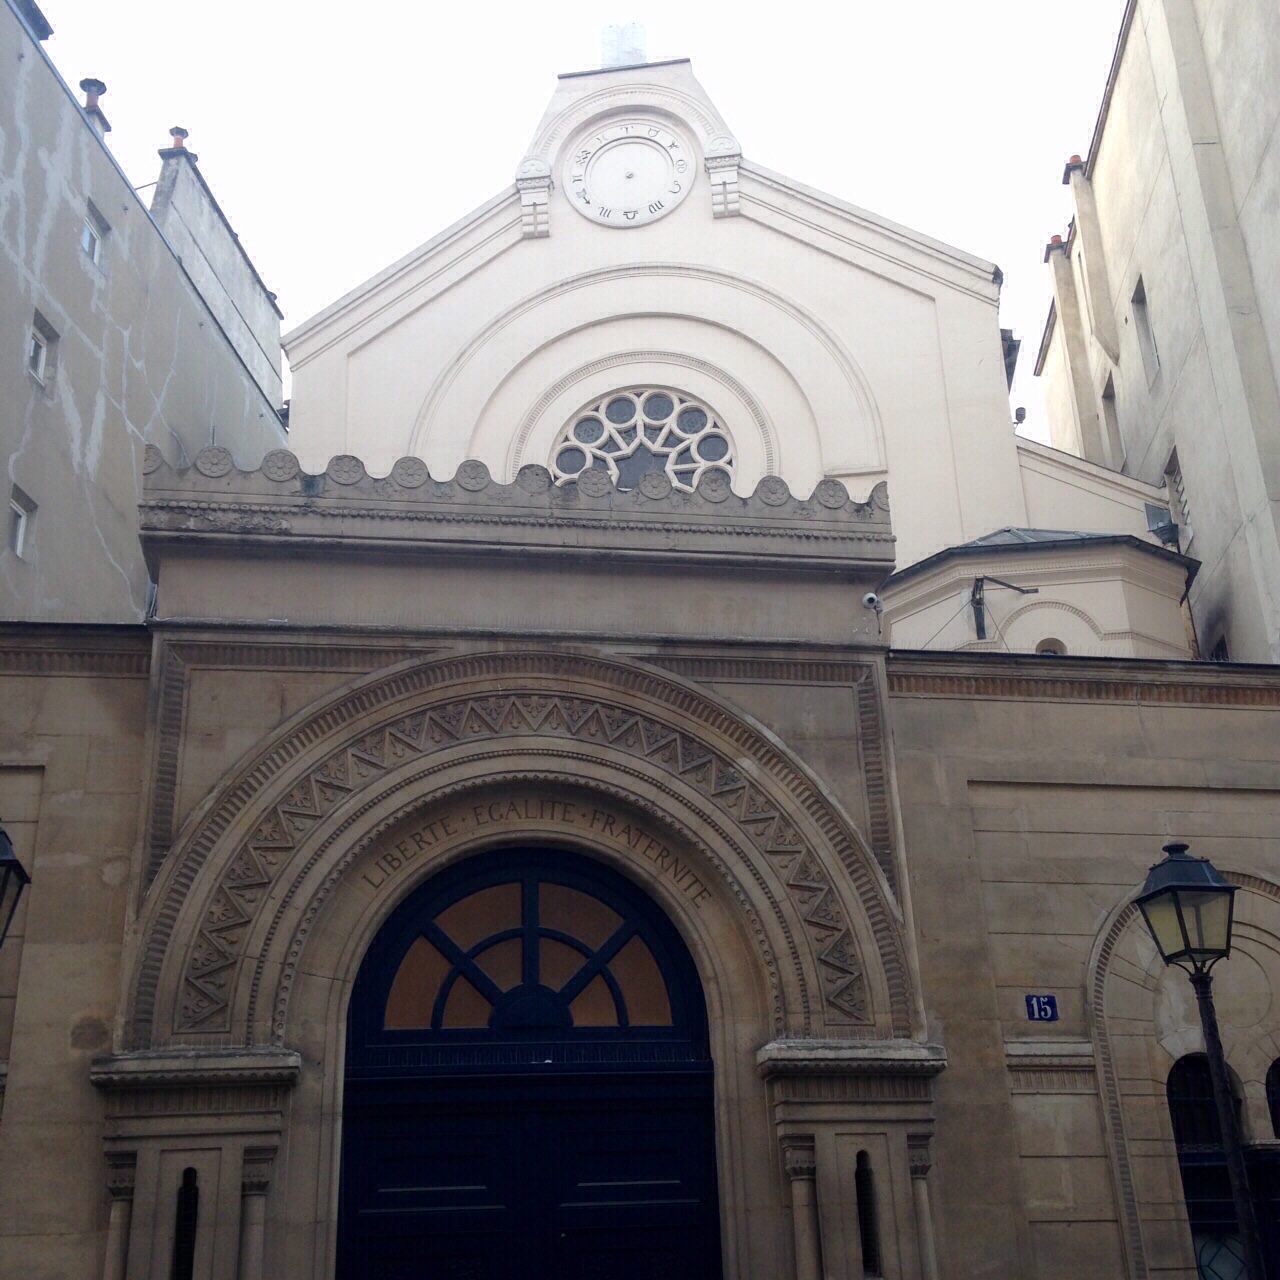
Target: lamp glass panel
<point x="1165" y="926"/>
<point x="1207" y="916"/>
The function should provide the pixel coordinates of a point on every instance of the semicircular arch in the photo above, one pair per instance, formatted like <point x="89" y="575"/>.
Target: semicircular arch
<point x="336" y="775"/>
<point x="545" y="415"/>
<point x="844" y="406"/>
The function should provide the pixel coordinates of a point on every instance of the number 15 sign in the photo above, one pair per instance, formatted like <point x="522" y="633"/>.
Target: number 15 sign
<point x="1042" y="1008"/>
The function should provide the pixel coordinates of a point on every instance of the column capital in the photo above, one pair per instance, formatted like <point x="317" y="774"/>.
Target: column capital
<point x="799" y="1156"/>
<point x="918" y="1158"/>
<point x="122" y="1168"/>
<point x="255" y="1173"/>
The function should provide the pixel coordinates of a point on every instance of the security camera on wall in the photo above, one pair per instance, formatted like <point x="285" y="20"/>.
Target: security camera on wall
<point x="872" y="601"/>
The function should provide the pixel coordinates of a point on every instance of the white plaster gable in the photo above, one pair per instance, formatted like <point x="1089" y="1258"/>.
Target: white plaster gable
<point x="666" y="89"/>
<point x="829" y="341"/>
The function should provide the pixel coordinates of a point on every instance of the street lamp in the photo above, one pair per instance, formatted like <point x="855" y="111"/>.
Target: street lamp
<point x="1189" y="909"/>
<point x="13" y="880"/>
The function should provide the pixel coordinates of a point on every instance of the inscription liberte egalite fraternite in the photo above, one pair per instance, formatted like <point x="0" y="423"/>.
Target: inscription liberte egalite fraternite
<point x="615" y="828"/>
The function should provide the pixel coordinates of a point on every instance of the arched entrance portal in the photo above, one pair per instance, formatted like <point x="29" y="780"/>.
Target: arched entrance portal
<point x="528" y="1084"/>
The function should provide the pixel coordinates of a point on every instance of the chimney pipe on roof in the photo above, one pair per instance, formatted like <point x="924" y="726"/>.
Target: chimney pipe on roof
<point x="93" y="90"/>
<point x="179" y="148"/>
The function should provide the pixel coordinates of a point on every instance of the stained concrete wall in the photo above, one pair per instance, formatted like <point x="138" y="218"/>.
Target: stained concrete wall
<point x="1180" y="192"/>
<point x="139" y="356"/>
<point x="185" y="210"/>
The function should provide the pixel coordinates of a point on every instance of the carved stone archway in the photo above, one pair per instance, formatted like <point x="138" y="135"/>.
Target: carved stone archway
<point x="230" y="910"/>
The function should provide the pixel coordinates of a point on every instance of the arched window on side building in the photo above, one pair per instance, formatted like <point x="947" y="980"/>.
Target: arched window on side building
<point x="1202" y="1162"/>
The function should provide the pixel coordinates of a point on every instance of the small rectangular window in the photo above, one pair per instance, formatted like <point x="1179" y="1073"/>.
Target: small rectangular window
<point x="21" y="512"/>
<point x="42" y="345"/>
<point x="90" y="241"/>
<point x="93" y="234"/>
<point x="1146" y="334"/>
<point x="37" y="355"/>
<point x="1178" y="504"/>
<point x="1111" y="420"/>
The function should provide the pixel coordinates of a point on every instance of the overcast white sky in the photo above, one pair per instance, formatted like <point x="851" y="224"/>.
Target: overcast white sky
<point x="339" y="136"/>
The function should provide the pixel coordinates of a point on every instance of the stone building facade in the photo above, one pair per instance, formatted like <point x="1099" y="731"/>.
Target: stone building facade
<point x="511" y="845"/>
<point x="872" y="858"/>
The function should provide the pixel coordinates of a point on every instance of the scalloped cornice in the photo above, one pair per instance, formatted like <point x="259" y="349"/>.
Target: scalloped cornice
<point x="280" y="504"/>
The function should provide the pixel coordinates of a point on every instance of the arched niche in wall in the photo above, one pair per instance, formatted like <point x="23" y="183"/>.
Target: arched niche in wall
<point x="1143" y="1018"/>
<point x="1027" y="625"/>
<point x="742" y="345"/>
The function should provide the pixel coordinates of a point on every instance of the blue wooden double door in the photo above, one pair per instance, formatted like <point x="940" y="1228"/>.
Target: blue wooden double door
<point x="528" y="1088"/>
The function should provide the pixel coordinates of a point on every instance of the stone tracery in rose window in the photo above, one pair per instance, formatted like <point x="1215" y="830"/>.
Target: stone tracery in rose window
<point x="628" y="434"/>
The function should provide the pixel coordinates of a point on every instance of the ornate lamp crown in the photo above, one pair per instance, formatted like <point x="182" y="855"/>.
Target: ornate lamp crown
<point x="1188" y="907"/>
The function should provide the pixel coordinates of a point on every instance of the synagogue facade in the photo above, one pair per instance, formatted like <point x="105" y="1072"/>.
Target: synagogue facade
<point x="535" y="832"/>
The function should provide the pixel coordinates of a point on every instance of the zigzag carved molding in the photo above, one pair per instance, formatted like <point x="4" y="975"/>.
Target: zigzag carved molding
<point x="456" y="718"/>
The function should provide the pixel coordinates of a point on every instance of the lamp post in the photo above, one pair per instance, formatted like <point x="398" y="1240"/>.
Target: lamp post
<point x="13" y="880"/>
<point x="1189" y="909"/>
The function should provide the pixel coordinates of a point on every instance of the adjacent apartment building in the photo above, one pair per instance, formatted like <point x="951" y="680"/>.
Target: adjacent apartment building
<point x="1162" y="346"/>
<point x="123" y="325"/>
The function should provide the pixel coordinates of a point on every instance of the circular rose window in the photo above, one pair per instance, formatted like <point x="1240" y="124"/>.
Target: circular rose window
<point x="630" y="433"/>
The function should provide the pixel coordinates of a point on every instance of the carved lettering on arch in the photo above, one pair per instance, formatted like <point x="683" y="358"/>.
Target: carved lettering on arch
<point x="213" y="959"/>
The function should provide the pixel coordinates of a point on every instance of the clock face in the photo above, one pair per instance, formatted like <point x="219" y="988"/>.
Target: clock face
<point x="628" y="174"/>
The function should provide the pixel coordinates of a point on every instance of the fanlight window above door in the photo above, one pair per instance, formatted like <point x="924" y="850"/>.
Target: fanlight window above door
<point x="526" y="958"/>
<point x="630" y="433"/>
<point x="528" y="955"/>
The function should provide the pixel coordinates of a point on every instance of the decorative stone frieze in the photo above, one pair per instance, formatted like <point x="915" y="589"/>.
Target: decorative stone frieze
<point x="948" y="675"/>
<point x="336" y="779"/>
<point x="819" y="1073"/>
<point x="625" y="717"/>
<point x="160" y="1095"/>
<point x="195" y="1067"/>
<point x="787" y="1058"/>
<point x="1051" y="1066"/>
<point x="52" y="651"/>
